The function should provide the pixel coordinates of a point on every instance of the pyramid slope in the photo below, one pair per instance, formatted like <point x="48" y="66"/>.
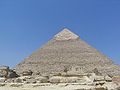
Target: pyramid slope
<point x="66" y="51"/>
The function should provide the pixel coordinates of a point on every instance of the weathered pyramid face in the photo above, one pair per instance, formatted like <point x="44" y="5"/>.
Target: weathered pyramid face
<point x="66" y="49"/>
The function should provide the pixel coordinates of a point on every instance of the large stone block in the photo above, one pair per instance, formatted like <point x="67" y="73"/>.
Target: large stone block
<point x="4" y="71"/>
<point x="41" y="79"/>
<point x="2" y="80"/>
<point x="12" y="74"/>
<point x="27" y="73"/>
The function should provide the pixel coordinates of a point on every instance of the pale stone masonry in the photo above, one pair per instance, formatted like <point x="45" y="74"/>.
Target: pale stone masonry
<point x="66" y="49"/>
<point x="66" y="35"/>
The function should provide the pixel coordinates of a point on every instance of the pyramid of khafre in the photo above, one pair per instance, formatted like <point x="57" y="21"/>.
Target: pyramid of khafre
<point x="66" y="49"/>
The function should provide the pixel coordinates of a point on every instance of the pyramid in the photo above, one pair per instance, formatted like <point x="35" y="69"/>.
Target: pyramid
<point x="66" y="49"/>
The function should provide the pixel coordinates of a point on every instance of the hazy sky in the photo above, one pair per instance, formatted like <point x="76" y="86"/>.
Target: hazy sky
<point x="25" y="25"/>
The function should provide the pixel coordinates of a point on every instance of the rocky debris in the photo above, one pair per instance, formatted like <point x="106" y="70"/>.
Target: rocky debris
<point x="29" y="79"/>
<point x="86" y="79"/>
<point x="111" y="86"/>
<point x="99" y="78"/>
<point x="91" y="76"/>
<point x="60" y="79"/>
<point x="2" y="80"/>
<point x="116" y="79"/>
<point x="97" y="72"/>
<point x="108" y="79"/>
<point x="36" y="74"/>
<point x="2" y="84"/>
<point x="118" y="88"/>
<point x="7" y="73"/>
<point x="12" y="74"/>
<point x="17" y="80"/>
<point x="55" y="79"/>
<point x="42" y="79"/>
<point x="76" y="70"/>
<point x="72" y="79"/>
<point x="101" y="88"/>
<point x="56" y="74"/>
<point x="27" y="73"/>
<point x="16" y="85"/>
<point x="63" y="77"/>
<point x="4" y="71"/>
<point x="69" y="79"/>
<point x="32" y="81"/>
<point x="100" y="83"/>
<point x="10" y="80"/>
<point x="25" y="78"/>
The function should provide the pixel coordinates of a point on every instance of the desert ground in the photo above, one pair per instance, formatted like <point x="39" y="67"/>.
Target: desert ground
<point x="49" y="86"/>
<point x="43" y="87"/>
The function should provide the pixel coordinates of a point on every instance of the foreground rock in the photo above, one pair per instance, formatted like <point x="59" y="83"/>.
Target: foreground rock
<point x="27" y="73"/>
<point x="7" y="74"/>
<point x="2" y="80"/>
<point x="94" y="80"/>
<point x="4" y="71"/>
<point x="12" y="74"/>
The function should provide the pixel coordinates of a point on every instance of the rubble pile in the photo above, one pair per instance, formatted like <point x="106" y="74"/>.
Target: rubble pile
<point x="100" y="82"/>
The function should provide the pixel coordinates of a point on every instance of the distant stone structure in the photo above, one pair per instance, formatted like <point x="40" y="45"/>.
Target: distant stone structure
<point x="65" y="59"/>
<point x="66" y="49"/>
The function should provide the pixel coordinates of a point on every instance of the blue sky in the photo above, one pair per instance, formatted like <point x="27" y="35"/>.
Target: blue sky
<point x="25" y="25"/>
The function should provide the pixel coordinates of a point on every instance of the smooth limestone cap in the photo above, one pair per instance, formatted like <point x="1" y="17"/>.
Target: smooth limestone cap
<point x="66" y="34"/>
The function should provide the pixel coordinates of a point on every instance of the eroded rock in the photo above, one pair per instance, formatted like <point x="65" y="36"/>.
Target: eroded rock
<point x="2" y="80"/>
<point x="42" y="79"/>
<point x="108" y="79"/>
<point x="12" y="74"/>
<point x="27" y="73"/>
<point x="4" y="71"/>
<point x="99" y="78"/>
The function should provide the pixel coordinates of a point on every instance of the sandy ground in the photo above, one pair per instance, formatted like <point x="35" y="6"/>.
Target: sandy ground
<point x="43" y="87"/>
<point x="49" y="86"/>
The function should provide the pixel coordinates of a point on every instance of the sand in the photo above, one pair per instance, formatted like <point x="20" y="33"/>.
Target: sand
<point x="43" y="87"/>
<point x="50" y="86"/>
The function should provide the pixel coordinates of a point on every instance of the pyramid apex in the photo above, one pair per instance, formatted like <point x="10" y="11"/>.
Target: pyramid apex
<point x="66" y="29"/>
<point x="66" y="34"/>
